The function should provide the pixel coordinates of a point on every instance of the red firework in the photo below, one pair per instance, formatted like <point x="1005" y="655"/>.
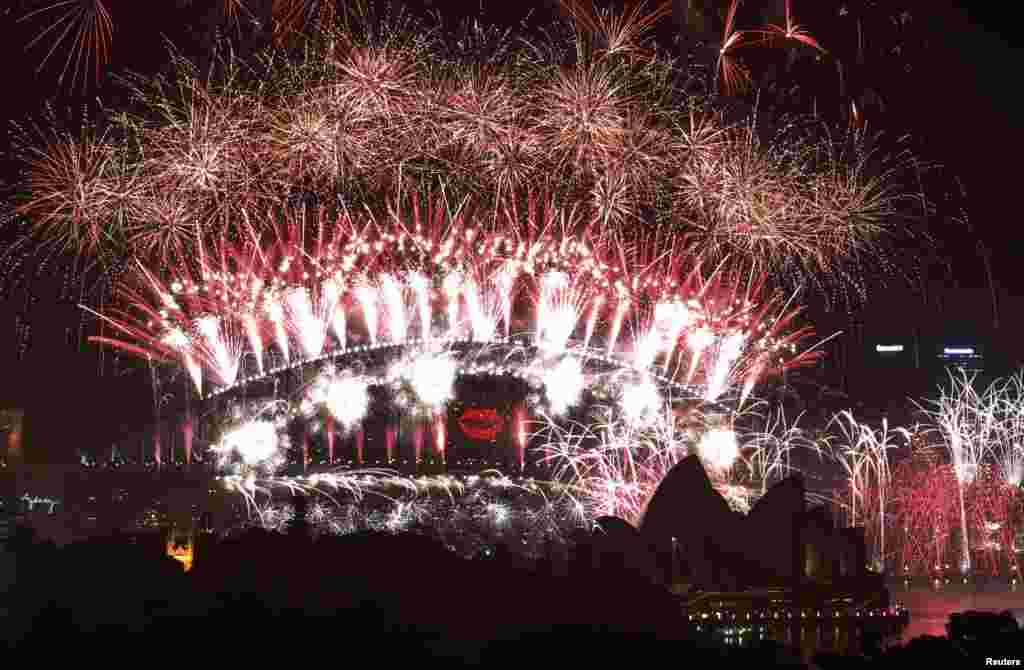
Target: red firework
<point x="926" y="517"/>
<point x="294" y="286"/>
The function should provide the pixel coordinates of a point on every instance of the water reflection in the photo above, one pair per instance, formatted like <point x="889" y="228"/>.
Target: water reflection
<point x="808" y="637"/>
<point x="932" y="600"/>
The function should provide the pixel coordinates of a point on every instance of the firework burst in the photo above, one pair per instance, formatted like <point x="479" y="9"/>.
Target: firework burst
<point x="79" y="181"/>
<point x="437" y="278"/>
<point x="373" y="107"/>
<point x="85" y="25"/>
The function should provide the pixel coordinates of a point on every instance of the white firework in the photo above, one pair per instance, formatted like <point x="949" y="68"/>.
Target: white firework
<point x="563" y="384"/>
<point x="431" y="377"/>
<point x="718" y="448"/>
<point x="347" y="399"/>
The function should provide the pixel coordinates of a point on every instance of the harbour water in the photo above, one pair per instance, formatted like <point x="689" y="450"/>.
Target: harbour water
<point x="932" y="602"/>
<point x="823" y="621"/>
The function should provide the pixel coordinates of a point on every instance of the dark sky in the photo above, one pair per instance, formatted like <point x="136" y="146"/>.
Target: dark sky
<point x="959" y="100"/>
<point x="972" y="110"/>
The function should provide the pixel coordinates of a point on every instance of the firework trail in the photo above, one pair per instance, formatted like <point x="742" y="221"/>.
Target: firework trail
<point x="966" y="430"/>
<point x="771" y="445"/>
<point x="978" y="431"/>
<point x="613" y="465"/>
<point x="218" y="316"/>
<point x="958" y="495"/>
<point x="85" y="25"/>
<point x="1005" y="400"/>
<point x="865" y="455"/>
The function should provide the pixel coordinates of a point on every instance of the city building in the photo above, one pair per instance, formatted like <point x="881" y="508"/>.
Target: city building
<point x="11" y="439"/>
<point x="967" y="356"/>
<point x="941" y="353"/>
<point x="896" y="352"/>
<point x="12" y="422"/>
<point x="181" y="544"/>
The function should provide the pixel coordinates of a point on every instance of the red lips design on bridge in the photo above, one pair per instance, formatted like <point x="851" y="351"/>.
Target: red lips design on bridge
<point x="481" y="424"/>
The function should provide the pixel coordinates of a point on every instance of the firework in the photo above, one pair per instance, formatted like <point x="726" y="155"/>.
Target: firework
<point x="430" y="376"/>
<point x="365" y="112"/>
<point x="951" y="504"/>
<point x="979" y="433"/>
<point x="865" y="455"/>
<point x="613" y="465"/>
<point x="86" y="25"/>
<point x="606" y="473"/>
<point x="294" y="16"/>
<point x="966" y="432"/>
<point x="79" y="181"/>
<point x="564" y="383"/>
<point x="409" y="306"/>
<point x="728" y="70"/>
<point x="771" y="445"/>
<point x="1005" y="400"/>
<point x="471" y="515"/>
<point x="603" y="232"/>
<point x="641" y="402"/>
<point x="617" y="33"/>
<point x="924" y="503"/>
<point x="718" y="448"/>
<point x="347" y="399"/>
<point x="254" y="443"/>
<point x="936" y="516"/>
<point x="790" y="31"/>
<point x="402" y="286"/>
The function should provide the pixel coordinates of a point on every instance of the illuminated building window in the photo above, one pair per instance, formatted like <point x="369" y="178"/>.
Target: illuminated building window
<point x="180" y="547"/>
<point x="968" y="357"/>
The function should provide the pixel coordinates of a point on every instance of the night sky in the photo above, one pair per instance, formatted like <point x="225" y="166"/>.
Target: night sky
<point x="957" y="99"/>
